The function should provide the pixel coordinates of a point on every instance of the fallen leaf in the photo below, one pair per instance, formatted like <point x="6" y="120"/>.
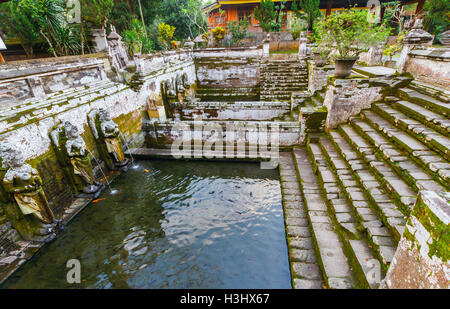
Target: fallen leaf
<point x="217" y="268"/>
<point x="97" y="200"/>
<point x="147" y="171"/>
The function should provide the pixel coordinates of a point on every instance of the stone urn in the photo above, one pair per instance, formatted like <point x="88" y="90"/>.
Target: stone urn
<point x="343" y="67"/>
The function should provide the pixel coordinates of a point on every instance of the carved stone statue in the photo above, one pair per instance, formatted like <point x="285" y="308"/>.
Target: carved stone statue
<point x="73" y="156"/>
<point x="169" y="96"/>
<point x="28" y="208"/>
<point x="106" y="133"/>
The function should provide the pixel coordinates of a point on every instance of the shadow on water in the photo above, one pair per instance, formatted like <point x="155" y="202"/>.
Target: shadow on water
<point x="173" y="225"/>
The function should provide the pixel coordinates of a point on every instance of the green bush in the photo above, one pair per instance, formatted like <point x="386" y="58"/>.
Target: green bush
<point x="350" y="33"/>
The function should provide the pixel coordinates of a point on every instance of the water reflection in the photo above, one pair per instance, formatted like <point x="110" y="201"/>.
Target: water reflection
<point x="174" y="225"/>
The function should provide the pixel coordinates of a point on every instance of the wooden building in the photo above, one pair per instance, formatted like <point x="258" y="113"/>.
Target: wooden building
<point x="222" y="11"/>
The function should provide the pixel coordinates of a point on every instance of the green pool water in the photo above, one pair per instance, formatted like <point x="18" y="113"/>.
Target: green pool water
<point x="173" y="224"/>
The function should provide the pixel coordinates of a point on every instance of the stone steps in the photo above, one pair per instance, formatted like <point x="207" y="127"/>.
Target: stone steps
<point x="81" y="97"/>
<point x="348" y="216"/>
<point x="62" y="96"/>
<point x="421" y="132"/>
<point x="431" y="119"/>
<point x="425" y="100"/>
<point x="305" y="271"/>
<point x="373" y="188"/>
<point x="334" y="264"/>
<point x="375" y="211"/>
<point x="410" y="172"/>
<point x="417" y="151"/>
<point x="403" y="195"/>
<point x="363" y="213"/>
<point x="282" y="77"/>
<point x="430" y="90"/>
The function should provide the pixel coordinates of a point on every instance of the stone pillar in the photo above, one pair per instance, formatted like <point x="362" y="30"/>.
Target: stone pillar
<point x="99" y="40"/>
<point x="416" y="38"/>
<point x="303" y="46"/>
<point x="421" y="260"/>
<point x="266" y="46"/>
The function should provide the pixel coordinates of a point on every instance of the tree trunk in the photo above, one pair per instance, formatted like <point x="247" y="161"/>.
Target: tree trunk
<point x="49" y="43"/>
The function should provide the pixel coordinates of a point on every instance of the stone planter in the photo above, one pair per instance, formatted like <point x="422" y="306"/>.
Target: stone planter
<point x="319" y="60"/>
<point x="343" y="67"/>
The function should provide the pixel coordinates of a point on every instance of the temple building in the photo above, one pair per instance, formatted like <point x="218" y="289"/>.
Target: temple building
<point x="223" y="11"/>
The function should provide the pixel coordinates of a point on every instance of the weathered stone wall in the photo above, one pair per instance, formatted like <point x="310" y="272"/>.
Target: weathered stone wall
<point x="34" y="79"/>
<point x="318" y="76"/>
<point x="231" y="110"/>
<point x="28" y="125"/>
<point x="434" y="63"/>
<point x="422" y="257"/>
<point x="347" y="97"/>
<point x="164" y="134"/>
<point x="226" y="68"/>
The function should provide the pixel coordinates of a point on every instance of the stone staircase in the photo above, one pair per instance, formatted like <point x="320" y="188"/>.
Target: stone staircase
<point x="279" y="78"/>
<point x="360" y="181"/>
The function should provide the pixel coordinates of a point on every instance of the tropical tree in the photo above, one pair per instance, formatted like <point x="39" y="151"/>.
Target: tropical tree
<point x="103" y="8"/>
<point x="270" y="15"/>
<point x="437" y="17"/>
<point x="166" y="33"/>
<point x="310" y="11"/>
<point x="237" y="30"/>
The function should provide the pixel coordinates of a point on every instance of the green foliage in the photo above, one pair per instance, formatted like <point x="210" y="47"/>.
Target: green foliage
<point x="185" y="15"/>
<point x="237" y="30"/>
<point x="391" y="50"/>
<point x="437" y="17"/>
<point x="310" y="12"/>
<point x="350" y="33"/>
<point x="136" y="39"/>
<point x="270" y="15"/>
<point x="392" y="13"/>
<point x="31" y="19"/>
<point x="103" y="8"/>
<point x="218" y="35"/>
<point x="166" y="33"/>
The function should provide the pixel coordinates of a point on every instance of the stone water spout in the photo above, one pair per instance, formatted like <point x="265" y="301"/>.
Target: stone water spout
<point x="106" y="133"/>
<point x="73" y="156"/>
<point x="26" y="204"/>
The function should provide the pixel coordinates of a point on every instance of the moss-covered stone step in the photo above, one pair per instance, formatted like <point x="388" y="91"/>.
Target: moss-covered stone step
<point x="406" y="146"/>
<point x="356" y="246"/>
<point x="367" y="213"/>
<point x="57" y="96"/>
<point x="425" y="101"/>
<point x="333" y="262"/>
<point x="305" y="272"/>
<point x="412" y="173"/>
<point x="403" y="194"/>
<point x="431" y="90"/>
<point x="61" y="98"/>
<point x="431" y="119"/>
<point x="428" y="136"/>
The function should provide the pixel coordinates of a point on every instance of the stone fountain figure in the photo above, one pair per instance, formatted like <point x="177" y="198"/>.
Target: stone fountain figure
<point x="169" y="96"/>
<point x="27" y="206"/>
<point x="73" y="156"/>
<point x="106" y="133"/>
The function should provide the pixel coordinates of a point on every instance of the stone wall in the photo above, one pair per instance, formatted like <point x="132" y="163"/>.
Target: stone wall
<point x="318" y="76"/>
<point x="228" y="68"/>
<point x="347" y="97"/>
<point x="34" y="79"/>
<point x="28" y="124"/>
<point x="422" y="257"/>
<point x="164" y="134"/>
<point x="433" y="63"/>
